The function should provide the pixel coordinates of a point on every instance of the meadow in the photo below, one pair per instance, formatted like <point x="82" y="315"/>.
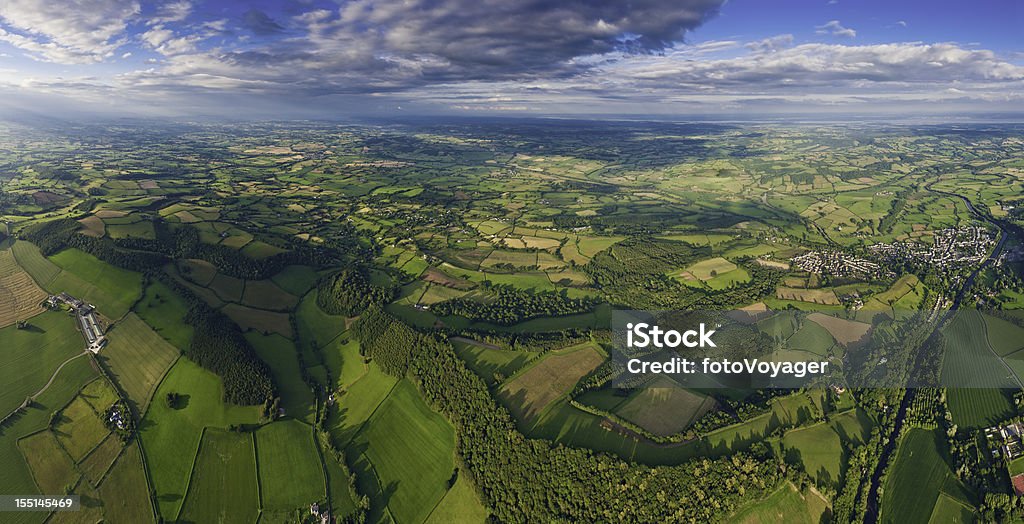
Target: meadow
<point x="415" y="482"/>
<point x="223" y="487"/>
<point x="530" y="391"/>
<point x="289" y="466"/>
<point x="30" y="356"/>
<point x="137" y="358"/>
<point x="918" y="476"/>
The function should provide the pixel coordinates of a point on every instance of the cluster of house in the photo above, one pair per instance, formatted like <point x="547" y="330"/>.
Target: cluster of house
<point x="835" y="263"/>
<point x="953" y="247"/>
<point x="116" y="418"/>
<point x="322" y="514"/>
<point x="86" y="316"/>
<point x="1006" y="441"/>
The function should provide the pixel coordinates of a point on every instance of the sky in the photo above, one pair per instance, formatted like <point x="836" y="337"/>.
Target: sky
<point x="332" y="59"/>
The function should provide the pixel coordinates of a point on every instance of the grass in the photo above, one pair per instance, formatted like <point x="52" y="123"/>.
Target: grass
<point x="1005" y="337"/>
<point x="223" y="486"/>
<point x="99" y="394"/>
<point x="124" y="490"/>
<point x="786" y="504"/>
<point x="52" y="468"/>
<point x="811" y="337"/>
<point x="111" y="289"/>
<point x="96" y="465"/>
<point x="413" y="482"/>
<point x="279" y="353"/>
<point x="314" y="324"/>
<point x="460" y="504"/>
<point x="265" y="294"/>
<point x="228" y="289"/>
<point x="34" y="263"/>
<point x="664" y="408"/>
<point x="291" y="475"/>
<point x="170" y="436"/>
<point x="164" y="311"/>
<point x="17" y="477"/>
<point x="978" y="408"/>
<point x="358" y="402"/>
<point x="948" y="510"/>
<point x="547" y="379"/>
<point x="79" y="429"/>
<point x="916" y="478"/>
<point x="296" y="280"/>
<point x="491" y="363"/>
<point x="20" y="297"/>
<point x="261" y="321"/>
<point x="844" y="331"/>
<point x="30" y="356"/>
<point x="137" y="358"/>
<point x="339" y="494"/>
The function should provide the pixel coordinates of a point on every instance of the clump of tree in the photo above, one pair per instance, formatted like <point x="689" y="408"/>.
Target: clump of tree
<point x="173" y="400"/>
<point x="508" y="305"/>
<point x="218" y="345"/>
<point x="386" y="340"/>
<point x="349" y="292"/>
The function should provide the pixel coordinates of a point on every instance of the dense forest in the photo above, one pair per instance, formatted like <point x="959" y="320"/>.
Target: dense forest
<point x="508" y="305"/>
<point x="349" y="292"/>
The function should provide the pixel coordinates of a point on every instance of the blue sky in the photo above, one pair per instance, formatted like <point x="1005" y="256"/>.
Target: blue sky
<point x="303" y="58"/>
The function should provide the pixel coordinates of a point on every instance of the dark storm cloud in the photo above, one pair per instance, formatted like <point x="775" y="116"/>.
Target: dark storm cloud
<point x="260" y="23"/>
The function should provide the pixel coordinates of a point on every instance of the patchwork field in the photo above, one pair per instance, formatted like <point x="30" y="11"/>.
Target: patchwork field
<point x="787" y="504"/>
<point x="170" y="436"/>
<point x="814" y="296"/>
<point x="550" y="377"/>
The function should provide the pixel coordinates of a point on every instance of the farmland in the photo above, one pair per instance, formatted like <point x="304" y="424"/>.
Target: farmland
<point x="20" y="297"/>
<point x="223" y="487"/>
<point x="289" y="466"/>
<point x="137" y="358"/>
<point x="529" y="392"/>
<point x="506" y="245"/>
<point x="919" y="457"/>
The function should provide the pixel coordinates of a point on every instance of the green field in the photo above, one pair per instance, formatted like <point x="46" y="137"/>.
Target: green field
<point x="170" y="436"/>
<point x="137" y="358"/>
<point x="290" y="472"/>
<point x="918" y="475"/>
<point x="978" y="408"/>
<point x="786" y="504"/>
<point x="165" y="311"/>
<point x="223" y="487"/>
<point x="52" y="468"/>
<point x="296" y="279"/>
<point x="28" y="357"/>
<point x="492" y="364"/>
<point x="124" y="490"/>
<point x="79" y="429"/>
<point x="279" y="353"/>
<point x="111" y="289"/>
<point x="43" y="271"/>
<point x="820" y="447"/>
<point x="460" y="504"/>
<point x="415" y="482"/>
<point x="17" y="477"/>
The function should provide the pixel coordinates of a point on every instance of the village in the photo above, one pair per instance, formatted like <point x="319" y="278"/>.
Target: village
<point x="953" y="248"/>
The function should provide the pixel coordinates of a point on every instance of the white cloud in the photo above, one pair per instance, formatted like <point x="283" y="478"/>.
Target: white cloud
<point x="172" y="12"/>
<point x="834" y="28"/>
<point x="79" y="31"/>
